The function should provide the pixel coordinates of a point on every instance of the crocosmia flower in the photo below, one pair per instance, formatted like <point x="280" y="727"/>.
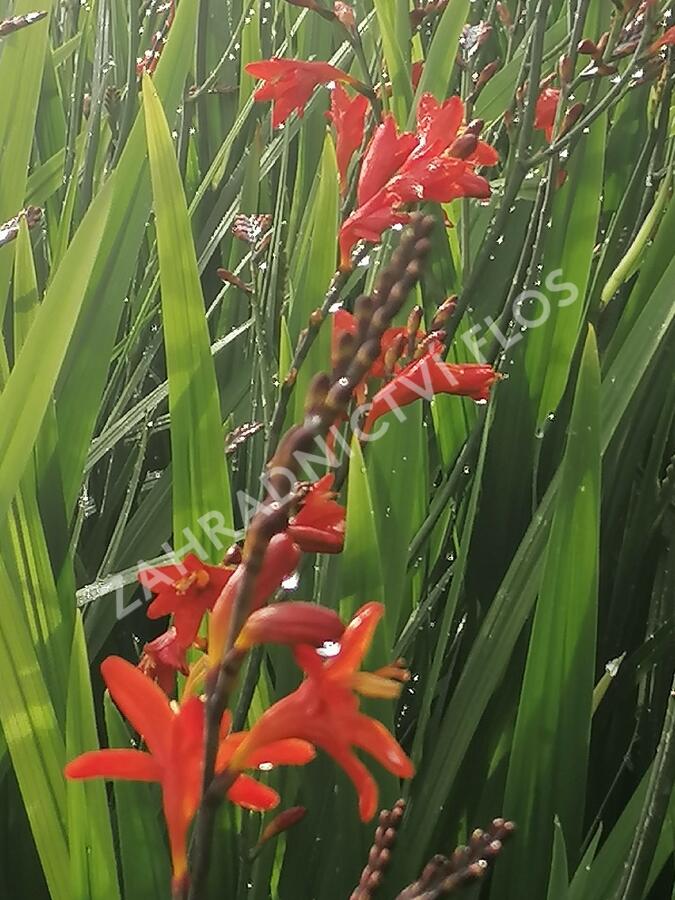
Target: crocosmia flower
<point x="324" y="711"/>
<point x="174" y="738"/>
<point x="162" y="658"/>
<point x="319" y="525"/>
<point x="281" y="559"/>
<point x="545" y="111"/>
<point x="348" y="115"/>
<point x="289" y="83"/>
<point x="436" y="163"/>
<point x="426" y="377"/>
<point x="186" y="591"/>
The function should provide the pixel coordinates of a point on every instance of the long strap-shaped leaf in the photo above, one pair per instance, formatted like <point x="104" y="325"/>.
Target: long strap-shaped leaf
<point x="31" y="382"/>
<point x="35" y="743"/>
<point x="200" y="481"/>
<point x="551" y="739"/>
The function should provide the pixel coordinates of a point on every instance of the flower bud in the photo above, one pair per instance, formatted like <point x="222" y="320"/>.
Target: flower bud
<point x="571" y="117"/>
<point x="565" y="69"/>
<point x="293" y="622"/>
<point x="504" y="15"/>
<point x="463" y="146"/>
<point x="285" y="820"/>
<point x="475" y="126"/>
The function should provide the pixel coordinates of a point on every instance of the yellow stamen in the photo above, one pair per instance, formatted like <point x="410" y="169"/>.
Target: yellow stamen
<point x="197" y="673"/>
<point x="370" y="684"/>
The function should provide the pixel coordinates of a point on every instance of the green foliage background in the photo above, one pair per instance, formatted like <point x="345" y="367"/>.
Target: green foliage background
<point x="525" y="551"/>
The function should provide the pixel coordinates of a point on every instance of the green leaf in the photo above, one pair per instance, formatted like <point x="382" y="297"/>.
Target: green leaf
<point x="558" y="877"/>
<point x="394" y="22"/>
<point x="201" y="482"/>
<point x="440" y="58"/>
<point x="35" y="743"/>
<point x="312" y="267"/>
<point x="93" y="866"/>
<point x="21" y="65"/>
<point x="551" y="740"/>
<point x="33" y="378"/>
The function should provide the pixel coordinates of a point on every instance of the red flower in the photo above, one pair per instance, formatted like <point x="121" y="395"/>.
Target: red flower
<point x="289" y="83"/>
<point x="281" y="559"/>
<point x="345" y="323"/>
<point x="319" y="526"/>
<point x="186" y="591"/>
<point x="294" y="622"/>
<point x="162" y="658"/>
<point x="545" y="111"/>
<point x="666" y="40"/>
<point x="348" y="116"/>
<point x="175" y="742"/>
<point x="436" y="163"/>
<point x="427" y="376"/>
<point x="324" y="710"/>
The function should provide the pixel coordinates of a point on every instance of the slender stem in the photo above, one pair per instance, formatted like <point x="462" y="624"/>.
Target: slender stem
<point x="307" y="338"/>
<point x="661" y="781"/>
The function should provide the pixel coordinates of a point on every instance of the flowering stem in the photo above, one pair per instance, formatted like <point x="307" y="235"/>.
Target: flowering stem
<point x="304" y="345"/>
<point x="391" y="291"/>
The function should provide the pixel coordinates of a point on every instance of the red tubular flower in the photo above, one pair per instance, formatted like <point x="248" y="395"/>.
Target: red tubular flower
<point x="324" y="710"/>
<point x="285" y="820"/>
<point x="427" y="376"/>
<point x="666" y="40"/>
<point x="545" y="111"/>
<point x="281" y="559"/>
<point x="291" y="623"/>
<point x="319" y="526"/>
<point x="289" y="83"/>
<point x="348" y="116"/>
<point x="162" y="658"/>
<point x="407" y="168"/>
<point x="416" y="72"/>
<point x="175" y="742"/>
<point x="186" y="591"/>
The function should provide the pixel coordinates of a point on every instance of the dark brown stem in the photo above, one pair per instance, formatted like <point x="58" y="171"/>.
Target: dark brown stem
<point x="329" y="398"/>
<point x="443" y="876"/>
<point x="380" y="853"/>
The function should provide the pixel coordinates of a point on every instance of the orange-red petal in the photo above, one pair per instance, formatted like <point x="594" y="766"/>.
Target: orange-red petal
<point x="250" y="794"/>
<point x="123" y="764"/>
<point x="141" y="701"/>
<point x="356" y="640"/>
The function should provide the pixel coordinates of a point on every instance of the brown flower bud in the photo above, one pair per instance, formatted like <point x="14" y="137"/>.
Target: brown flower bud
<point x="463" y="146"/>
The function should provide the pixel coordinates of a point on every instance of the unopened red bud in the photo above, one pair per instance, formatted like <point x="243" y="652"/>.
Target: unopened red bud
<point x="463" y="146"/>
<point x="602" y="43"/>
<point x="230" y="278"/>
<point x="571" y="117"/>
<point x="444" y="311"/>
<point x="414" y="321"/>
<point x="316" y="318"/>
<point x="605" y="69"/>
<point x="344" y="13"/>
<point x="393" y="354"/>
<point x="486" y="74"/>
<point x="285" y="820"/>
<point x="547" y="82"/>
<point x="504" y="15"/>
<point x="588" y="47"/>
<point x="293" y="622"/>
<point x="565" y="69"/>
<point x="625" y="50"/>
